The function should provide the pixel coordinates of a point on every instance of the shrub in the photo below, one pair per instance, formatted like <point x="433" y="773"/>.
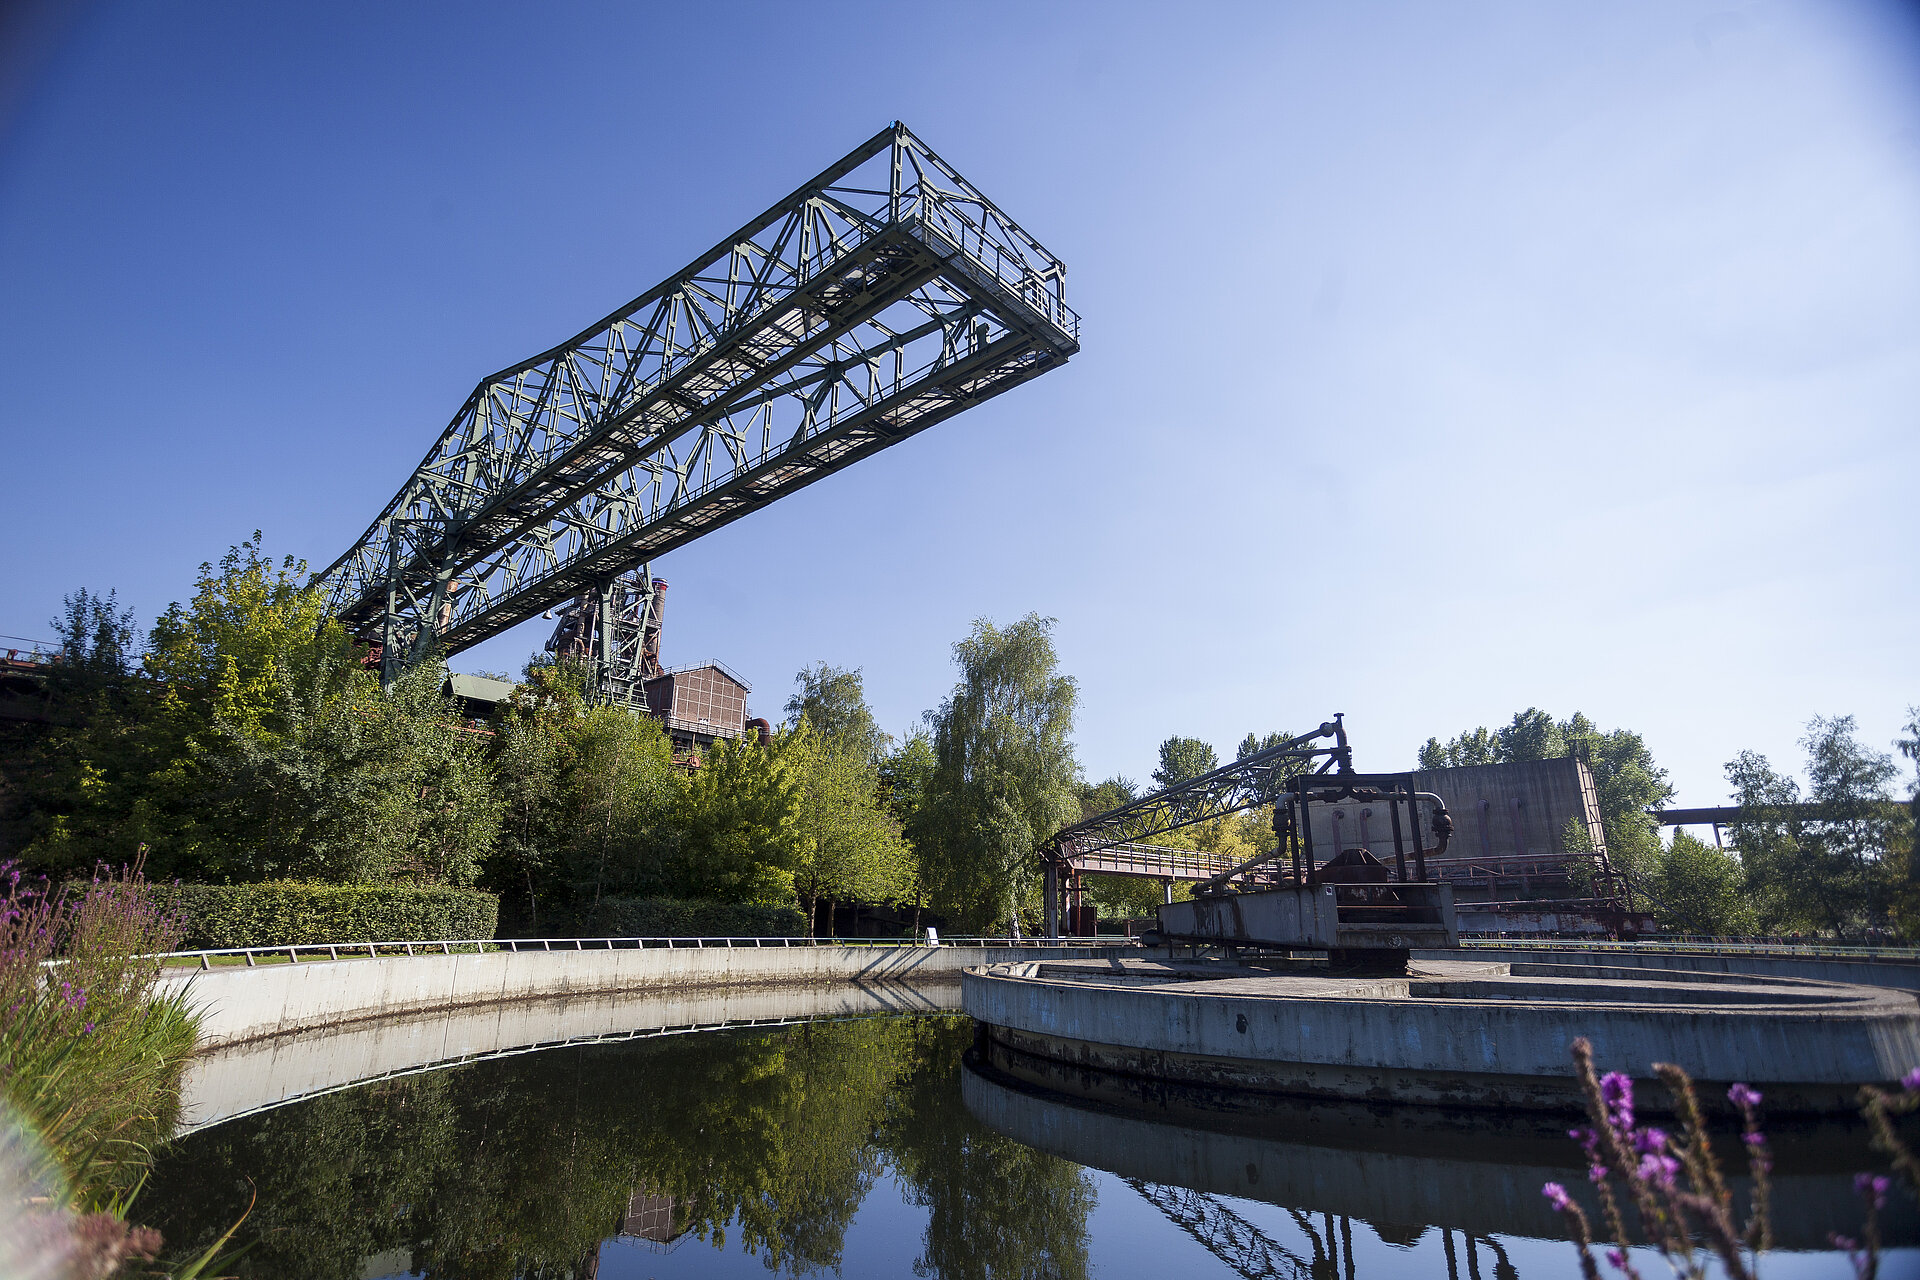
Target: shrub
<point x="285" y="913"/>
<point x="88" y="1056"/>
<point x="687" y="918"/>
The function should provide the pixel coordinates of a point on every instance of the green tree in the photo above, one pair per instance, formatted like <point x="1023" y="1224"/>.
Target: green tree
<point x="1183" y="760"/>
<point x="832" y="702"/>
<point x="75" y="791"/>
<point x="624" y="791"/>
<point x="847" y="846"/>
<point x="1004" y="773"/>
<point x="1474" y="747"/>
<point x="352" y="786"/>
<point x="1837" y="862"/>
<point x="1702" y="890"/>
<point x="251" y="629"/>
<point x="905" y="775"/>
<point x="535" y="755"/>
<point x="1253" y="742"/>
<point x="738" y="827"/>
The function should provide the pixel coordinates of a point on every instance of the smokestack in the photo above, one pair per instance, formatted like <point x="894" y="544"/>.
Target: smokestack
<point x="650" y="642"/>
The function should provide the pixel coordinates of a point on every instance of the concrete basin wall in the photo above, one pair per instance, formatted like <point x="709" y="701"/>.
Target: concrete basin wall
<point x="1382" y="1045"/>
<point x="241" y="1004"/>
<point x="249" y="1075"/>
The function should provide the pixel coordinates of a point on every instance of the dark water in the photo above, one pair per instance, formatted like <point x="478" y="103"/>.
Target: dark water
<point x="865" y="1148"/>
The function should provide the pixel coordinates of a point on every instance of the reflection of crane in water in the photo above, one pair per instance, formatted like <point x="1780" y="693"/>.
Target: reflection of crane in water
<point x="1250" y="1252"/>
<point x="1245" y="1248"/>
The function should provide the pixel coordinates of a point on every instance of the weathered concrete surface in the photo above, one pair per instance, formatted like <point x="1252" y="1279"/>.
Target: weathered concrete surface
<point x="249" y="1075"/>
<point x="1456" y="1034"/>
<point x="1387" y="1168"/>
<point x="240" y="1004"/>
<point x="1902" y="975"/>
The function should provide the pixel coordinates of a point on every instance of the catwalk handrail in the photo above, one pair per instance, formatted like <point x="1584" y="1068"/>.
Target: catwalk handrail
<point x="479" y="946"/>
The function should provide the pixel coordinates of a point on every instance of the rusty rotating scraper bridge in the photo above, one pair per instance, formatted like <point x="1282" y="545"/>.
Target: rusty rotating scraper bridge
<point x="882" y="296"/>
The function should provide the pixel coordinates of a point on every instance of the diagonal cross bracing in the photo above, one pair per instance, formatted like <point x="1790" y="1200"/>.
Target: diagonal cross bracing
<point x="881" y="297"/>
<point x="1246" y="783"/>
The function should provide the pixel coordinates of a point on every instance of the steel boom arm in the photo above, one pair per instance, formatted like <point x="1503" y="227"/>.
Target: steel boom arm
<point x="1255" y="780"/>
<point x="877" y="299"/>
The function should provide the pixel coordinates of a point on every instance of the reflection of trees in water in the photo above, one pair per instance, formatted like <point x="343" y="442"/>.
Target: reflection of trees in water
<point x="524" y="1165"/>
<point x="996" y="1209"/>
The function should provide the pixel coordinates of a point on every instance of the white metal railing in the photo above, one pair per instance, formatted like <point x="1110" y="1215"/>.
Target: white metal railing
<point x="475" y="946"/>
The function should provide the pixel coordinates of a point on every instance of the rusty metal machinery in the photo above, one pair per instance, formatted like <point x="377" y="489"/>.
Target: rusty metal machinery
<point x="884" y="295"/>
<point x="1322" y="887"/>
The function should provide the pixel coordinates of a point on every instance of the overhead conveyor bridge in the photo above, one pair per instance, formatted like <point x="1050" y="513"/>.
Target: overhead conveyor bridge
<point x="882" y="296"/>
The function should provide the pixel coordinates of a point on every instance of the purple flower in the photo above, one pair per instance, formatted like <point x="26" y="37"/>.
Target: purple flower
<point x="1557" y="1196"/>
<point x="1616" y="1090"/>
<point x="1659" y="1170"/>
<point x="1596" y="1173"/>
<point x="1617" y="1259"/>
<point x="88" y="1030"/>
<point x="1871" y="1188"/>
<point x="1911" y="1081"/>
<point x="1650" y="1141"/>
<point x="1743" y="1097"/>
<point x="1754" y="1139"/>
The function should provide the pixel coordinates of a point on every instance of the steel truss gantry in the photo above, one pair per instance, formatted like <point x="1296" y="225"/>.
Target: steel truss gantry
<point x="1247" y="783"/>
<point x="882" y="296"/>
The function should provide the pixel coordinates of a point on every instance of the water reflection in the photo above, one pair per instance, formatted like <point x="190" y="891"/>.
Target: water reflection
<point x="765" y="1142"/>
<point x="854" y="1147"/>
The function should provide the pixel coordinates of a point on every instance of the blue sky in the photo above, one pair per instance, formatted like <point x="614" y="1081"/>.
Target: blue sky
<point x="1439" y="359"/>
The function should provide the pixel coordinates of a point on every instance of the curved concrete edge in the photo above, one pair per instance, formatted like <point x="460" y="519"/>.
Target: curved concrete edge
<point x="1494" y="1194"/>
<point x="1901" y="975"/>
<point x="242" y="1077"/>
<point x="1447" y="1051"/>
<point x="238" y="1005"/>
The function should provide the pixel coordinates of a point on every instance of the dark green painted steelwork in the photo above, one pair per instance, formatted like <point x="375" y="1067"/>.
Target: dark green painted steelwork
<point x="884" y="295"/>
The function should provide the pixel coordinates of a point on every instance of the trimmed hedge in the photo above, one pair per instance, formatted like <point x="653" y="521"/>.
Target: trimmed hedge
<point x="687" y="918"/>
<point x="286" y="912"/>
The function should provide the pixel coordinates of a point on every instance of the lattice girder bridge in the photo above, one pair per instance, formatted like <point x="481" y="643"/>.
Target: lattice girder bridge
<point x="882" y="296"/>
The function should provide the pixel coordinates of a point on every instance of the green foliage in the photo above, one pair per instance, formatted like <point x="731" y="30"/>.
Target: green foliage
<point x="251" y="629"/>
<point x="905" y="775"/>
<point x="1844" y="866"/>
<point x="1183" y="760"/>
<point x="847" y="845"/>
<point x="357" y="788"/>
<point x="522" y="1166"/>
<point x="1004" y="775"/>
<point x="90" y="1057"/>
<point x="590" y="800"/>
<point x="1253" y="743"/>
<point x="833" y="703"/>
<point x="739" y="819"/>
<point x="613" y="917"/>
<point x="253" y="744"/>
<point x="283" y="913"/>
<point x="1699" y="889"/>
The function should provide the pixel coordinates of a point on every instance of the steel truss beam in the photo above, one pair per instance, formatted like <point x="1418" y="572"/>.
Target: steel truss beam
<point x="879" y="298"/>
<point x="1257" y="780"/>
